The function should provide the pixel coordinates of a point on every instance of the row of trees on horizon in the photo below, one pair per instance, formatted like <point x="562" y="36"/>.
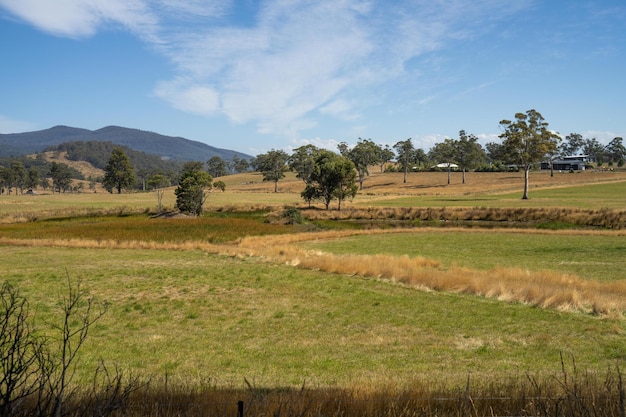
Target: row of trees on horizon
<point x="526" y="141"/>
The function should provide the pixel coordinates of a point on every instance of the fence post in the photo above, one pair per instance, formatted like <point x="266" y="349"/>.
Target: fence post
<point x="239" y="408"/>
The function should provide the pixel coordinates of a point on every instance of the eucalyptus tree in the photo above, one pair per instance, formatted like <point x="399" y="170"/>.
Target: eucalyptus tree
<point x="615" y="151"/>
<point x="444" y="153"/>
<point x="420" y="158"/>
<point x="386" y="155"/>
<point x="594" y="150"/>
<point x="572" y="144"/>
<point x="405" y="155"/>
<point x="61" y="177"/>
<point x="364" y="154"/>
<point x="333" y="177"/>
<point x="239" y="165"/>
<point x="302" y="161"/>
<point x="6" y="180"/>
<point x="19" y="175"/>
<point x="496" y="153"/>
<point x="216" y="167"/>
<point x="470" y="154"/>
<point x="272" y="165"/>
<point x="528" y="140"/>
<point x="32" y="179"/>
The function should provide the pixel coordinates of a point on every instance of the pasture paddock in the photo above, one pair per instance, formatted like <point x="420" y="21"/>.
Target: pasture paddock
<point x="423" y="189"/>
<point x="204" y="311"/>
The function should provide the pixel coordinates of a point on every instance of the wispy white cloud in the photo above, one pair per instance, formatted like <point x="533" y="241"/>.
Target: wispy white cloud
<point x="188" y="96"/>
<point x="289" y="62"/>
<point x="303" y="57"/>
<point x="603" y="137"/>
<point x="426" y="142"/>
<point x="82" y="18"/>
<point x="195" y="9"/>
<point x="340" y="108"/>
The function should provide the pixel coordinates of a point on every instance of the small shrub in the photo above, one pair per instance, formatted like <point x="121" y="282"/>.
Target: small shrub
<point x="293" y="215"/>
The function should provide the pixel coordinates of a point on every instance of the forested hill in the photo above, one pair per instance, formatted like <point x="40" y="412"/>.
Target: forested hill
<point x="167" y="147"/>
<point x="98" y="153"/>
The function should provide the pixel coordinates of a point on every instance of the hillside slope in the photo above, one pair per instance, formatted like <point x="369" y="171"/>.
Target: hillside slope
<point x="167" y="147"/>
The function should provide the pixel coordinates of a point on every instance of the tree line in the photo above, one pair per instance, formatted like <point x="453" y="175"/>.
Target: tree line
<point x="327" y="175"/>
<point x="22" y="174"/>
<point x="525" y="142"/>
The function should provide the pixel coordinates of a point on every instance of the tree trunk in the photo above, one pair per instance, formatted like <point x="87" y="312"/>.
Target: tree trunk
<point x="526" y="175"/>
<point x="275" y="186"/>
<point x="463" y="175"/>
<point x="448" y="174"/>
<point x="405" y="175"/>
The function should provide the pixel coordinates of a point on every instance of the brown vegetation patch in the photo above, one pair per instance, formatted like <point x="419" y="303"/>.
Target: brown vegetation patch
<point x="521" y="216"/>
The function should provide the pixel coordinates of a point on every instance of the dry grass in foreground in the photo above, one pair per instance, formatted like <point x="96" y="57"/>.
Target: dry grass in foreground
<point x="569" y="393"/>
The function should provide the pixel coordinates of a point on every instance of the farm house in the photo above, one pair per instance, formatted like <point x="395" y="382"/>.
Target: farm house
<point x="568" y="163"/>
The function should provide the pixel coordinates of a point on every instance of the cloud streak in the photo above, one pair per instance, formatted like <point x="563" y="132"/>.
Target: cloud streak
<point x="83" y="18"/>
<point x="287" y="62"/>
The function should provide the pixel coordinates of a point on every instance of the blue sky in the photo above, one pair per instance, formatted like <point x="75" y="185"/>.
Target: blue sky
<point x="254" y="75"/>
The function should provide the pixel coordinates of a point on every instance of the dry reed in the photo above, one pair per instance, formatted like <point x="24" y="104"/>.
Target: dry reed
<point x="570" y="393"/>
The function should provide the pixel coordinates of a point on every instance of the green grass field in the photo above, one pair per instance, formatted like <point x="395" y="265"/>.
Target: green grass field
<point x="198" y="317"/>
<point x="596" y="257"/>
<point x="608" y="195"/>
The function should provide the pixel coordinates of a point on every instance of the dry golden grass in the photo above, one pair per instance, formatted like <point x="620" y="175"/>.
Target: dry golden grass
<point x="381" y="185"/>
<point x="435" y="183"/>
<point x="545" y="289"/>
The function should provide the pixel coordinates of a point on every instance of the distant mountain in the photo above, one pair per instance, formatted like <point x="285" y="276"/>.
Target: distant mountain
<point x="167" y="147"/>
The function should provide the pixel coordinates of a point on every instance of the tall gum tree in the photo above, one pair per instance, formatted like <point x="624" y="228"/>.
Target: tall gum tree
<point x="362" y="155"/>
<point x="445" y="153"/>
<point x="470" y="154"/>
<point x="527" y="141"/>
<point x="333" y="177"/>
<point x="405" y="155"/>
<point x="273" y="165"/>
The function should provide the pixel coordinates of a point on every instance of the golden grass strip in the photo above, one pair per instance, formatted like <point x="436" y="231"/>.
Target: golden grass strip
<point x="545" y="289"/>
